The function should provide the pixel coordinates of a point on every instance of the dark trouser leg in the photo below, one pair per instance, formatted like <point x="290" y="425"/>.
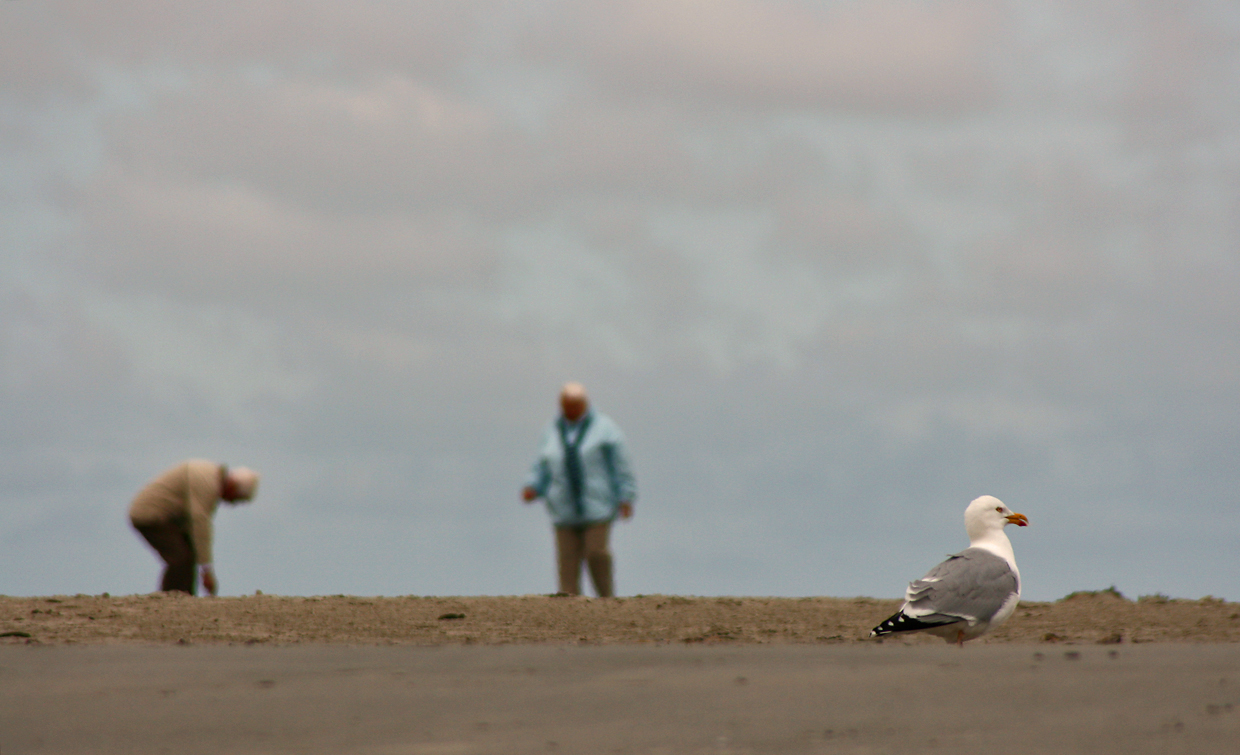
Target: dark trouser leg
<point x="598" y="558"/>
<point x="569" y="550"/>
<point x="175" y="548"/>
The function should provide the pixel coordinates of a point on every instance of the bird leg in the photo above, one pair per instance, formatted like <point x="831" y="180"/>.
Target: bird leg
<point x="960" y="638"/>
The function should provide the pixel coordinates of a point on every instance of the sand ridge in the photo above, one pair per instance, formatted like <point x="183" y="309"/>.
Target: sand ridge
<point x="1091" y="617"/>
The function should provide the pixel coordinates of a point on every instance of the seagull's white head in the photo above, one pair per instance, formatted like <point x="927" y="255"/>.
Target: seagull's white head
<point x="987" y="515"/>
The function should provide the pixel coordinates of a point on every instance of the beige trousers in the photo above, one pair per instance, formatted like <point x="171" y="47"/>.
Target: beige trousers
<point x="576" y="544"/>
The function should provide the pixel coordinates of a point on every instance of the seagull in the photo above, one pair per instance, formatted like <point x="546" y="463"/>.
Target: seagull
<point x="972" y="591"/>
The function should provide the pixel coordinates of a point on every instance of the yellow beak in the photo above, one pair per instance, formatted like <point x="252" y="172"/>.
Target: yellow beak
<point x="1020" y="520"/>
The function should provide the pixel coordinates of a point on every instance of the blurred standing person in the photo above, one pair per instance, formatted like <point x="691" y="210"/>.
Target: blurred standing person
<point x="174" y="513"/>
<point x="583" y="473"/>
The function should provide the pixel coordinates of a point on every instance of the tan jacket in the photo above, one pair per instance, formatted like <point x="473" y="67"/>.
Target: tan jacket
<point x="185" y="495"/>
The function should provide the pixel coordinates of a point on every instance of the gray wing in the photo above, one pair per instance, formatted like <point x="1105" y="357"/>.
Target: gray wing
<point x="970" y="585"/>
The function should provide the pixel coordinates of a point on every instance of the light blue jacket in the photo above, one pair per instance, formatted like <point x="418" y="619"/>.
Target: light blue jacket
<point x="608" y="476"/>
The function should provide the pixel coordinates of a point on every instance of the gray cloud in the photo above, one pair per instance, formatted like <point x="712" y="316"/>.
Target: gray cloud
<point x="890" y="56"/>
<point x="835" y="268"/>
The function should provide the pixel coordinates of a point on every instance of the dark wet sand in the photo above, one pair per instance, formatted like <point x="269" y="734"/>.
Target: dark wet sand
<point x="675" y="698"/>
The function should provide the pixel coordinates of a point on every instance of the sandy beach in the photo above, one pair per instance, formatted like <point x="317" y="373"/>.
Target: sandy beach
<point x="1087" y="617"/>
<point x="1094" y="673"/>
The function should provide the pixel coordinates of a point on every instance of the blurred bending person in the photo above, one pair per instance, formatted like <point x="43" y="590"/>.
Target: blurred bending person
<point x="583" y="473"/>
<point x="174" y="511"/>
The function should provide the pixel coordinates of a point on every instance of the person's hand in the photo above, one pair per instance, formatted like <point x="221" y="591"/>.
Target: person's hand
<point x="626" y="510"/>
<point x="529" y="495"/>
<point x="208" y="581"/>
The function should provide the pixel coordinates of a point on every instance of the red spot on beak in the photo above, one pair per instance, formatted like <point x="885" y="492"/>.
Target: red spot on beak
<point x="1020" y="520"/>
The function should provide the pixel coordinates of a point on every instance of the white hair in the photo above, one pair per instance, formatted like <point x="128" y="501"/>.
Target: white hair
<point x="244" y="481"/>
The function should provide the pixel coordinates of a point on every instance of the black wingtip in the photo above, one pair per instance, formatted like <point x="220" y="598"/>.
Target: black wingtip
<point x="900" y="623"/>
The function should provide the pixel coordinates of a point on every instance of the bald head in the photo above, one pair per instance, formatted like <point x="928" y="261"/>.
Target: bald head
<point x="574" y="402"/>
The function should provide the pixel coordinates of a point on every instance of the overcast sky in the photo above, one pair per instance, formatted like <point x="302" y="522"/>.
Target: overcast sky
<point x="836" y="268"/>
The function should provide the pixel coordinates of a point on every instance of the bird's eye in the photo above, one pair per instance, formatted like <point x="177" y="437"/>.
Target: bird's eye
<point x="999" y="509"/>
